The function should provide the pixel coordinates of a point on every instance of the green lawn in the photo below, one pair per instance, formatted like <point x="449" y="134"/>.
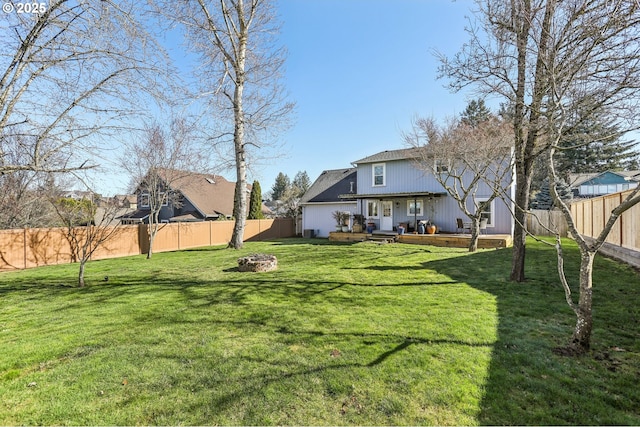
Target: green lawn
<point x="339" y="334"/>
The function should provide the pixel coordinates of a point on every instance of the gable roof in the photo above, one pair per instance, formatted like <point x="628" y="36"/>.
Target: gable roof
<point x="577" y="179"/>
<point x="210" y="194"/>
<point x="390" y="155"/>
<point x="330" y="185"/>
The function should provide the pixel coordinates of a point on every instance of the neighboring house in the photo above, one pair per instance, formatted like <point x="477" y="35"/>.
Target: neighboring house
<point x="388" y="189"/>
<point x="126" y="201"/>
<point x="196" y="197"/>
<point x="599" y="184"/>
<point x="324" y="197"/>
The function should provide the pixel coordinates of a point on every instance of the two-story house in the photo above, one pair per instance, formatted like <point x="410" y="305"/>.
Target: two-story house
<point x="389" y="188"/>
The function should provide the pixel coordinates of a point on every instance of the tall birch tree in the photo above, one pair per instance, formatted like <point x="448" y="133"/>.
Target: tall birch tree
<point x="239" y="77"/>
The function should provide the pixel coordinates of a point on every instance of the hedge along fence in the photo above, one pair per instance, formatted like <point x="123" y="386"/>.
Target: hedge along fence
<point x="36" y="247"/>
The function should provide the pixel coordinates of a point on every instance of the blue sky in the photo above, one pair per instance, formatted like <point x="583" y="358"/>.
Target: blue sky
<point x="358" y="71"/>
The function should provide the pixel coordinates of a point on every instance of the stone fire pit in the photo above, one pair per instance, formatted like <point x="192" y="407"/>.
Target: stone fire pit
<point x="258" y="263"/>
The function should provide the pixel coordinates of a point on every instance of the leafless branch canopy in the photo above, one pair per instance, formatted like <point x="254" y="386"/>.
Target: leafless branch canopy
<point x="70" y="76"/>
<point x="236" y="42"/>
<point x="466" y="160"/>
<point x="549" y="57"/>
<point x="462" y="158"/>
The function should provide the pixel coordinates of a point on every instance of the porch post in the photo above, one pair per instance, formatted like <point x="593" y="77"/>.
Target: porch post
<point x="415" y="214"/>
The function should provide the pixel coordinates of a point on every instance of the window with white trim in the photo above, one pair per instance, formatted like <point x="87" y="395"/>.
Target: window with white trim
<point x="379" y="174"/>
<point x="144" y="200"/>
<point x="415" y="208"/>
<point x="372" y="209"/>
<point x="489" y="211"/>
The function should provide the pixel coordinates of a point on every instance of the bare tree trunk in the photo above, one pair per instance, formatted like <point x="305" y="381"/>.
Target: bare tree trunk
<point x="525" y="147"/>
<point x="152" y="228"/>
<point x="520" y="231"/>
<point x="581" y="340"/>
<point x="475" y="235"/>
<point x="240" y="202"/>
<point x="81" y="274"/>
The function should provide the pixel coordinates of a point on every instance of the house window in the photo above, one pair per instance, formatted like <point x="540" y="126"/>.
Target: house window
<point x="379" y="172"/>
<point x="144" y="200"/>
<point x="488" y="212"/>
<point x="415" y="208"/>
<point x="372" y="209"/>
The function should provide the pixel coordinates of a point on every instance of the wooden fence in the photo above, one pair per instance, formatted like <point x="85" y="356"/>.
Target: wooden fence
<point x="35" y="247"/>
<point x="539" y="222"/>
<point x="591" y="215"/>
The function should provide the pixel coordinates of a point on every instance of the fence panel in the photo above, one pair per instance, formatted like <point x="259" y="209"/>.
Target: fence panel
<point x="539" y="222"/>
<point x="623" y="241"/>
<point x="221" y="232"/>
<point x="615" y="236"/>
<point x="194" y="234"/>
<point x="631" y="225"/>
<point x="125" y="241"/>
<point x="46" y="246"/>
<point x="12" y="249"/>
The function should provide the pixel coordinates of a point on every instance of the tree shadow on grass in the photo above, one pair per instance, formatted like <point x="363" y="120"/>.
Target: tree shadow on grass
<point x="527" y="384"/>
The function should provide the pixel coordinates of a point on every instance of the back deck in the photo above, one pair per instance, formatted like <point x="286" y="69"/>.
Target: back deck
<point x="486" y="241"/>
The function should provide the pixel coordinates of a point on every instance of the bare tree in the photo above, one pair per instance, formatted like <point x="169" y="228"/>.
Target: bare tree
<point x="157" y="162"/>
<point x="86" y="231"/>
<point x="583" y="308"/>
<point x="24" y="200"/>
<point x="468" y="161"/>
<point x="526" y="51"/>
<point x="605" y="78"/>
<point x="70" y="73"/>
<point x="239" y="74"/>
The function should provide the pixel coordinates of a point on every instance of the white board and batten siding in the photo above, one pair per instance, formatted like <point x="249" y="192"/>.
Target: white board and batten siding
<point x="318" y="216"/>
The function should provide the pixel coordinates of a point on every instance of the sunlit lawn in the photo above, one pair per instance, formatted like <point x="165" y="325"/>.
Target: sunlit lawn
<point x="340" y="334"/>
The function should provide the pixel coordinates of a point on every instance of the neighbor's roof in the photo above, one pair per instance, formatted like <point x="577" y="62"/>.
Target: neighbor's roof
<point x="330" y="185"/>
<point x="577" y="179"/>
<point x="211" y="194"/>
<point x="390" y="155"/>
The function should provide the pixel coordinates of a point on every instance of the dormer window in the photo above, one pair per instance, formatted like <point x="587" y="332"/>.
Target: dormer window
<point x="379" y="174"/>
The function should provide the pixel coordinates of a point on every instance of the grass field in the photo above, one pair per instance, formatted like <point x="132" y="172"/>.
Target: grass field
<point x="339" y="334"/>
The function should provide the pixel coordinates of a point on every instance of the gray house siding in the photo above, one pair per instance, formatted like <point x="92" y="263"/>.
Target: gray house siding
<point x="403" y="176"/>
<point x="317" y="217"/>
